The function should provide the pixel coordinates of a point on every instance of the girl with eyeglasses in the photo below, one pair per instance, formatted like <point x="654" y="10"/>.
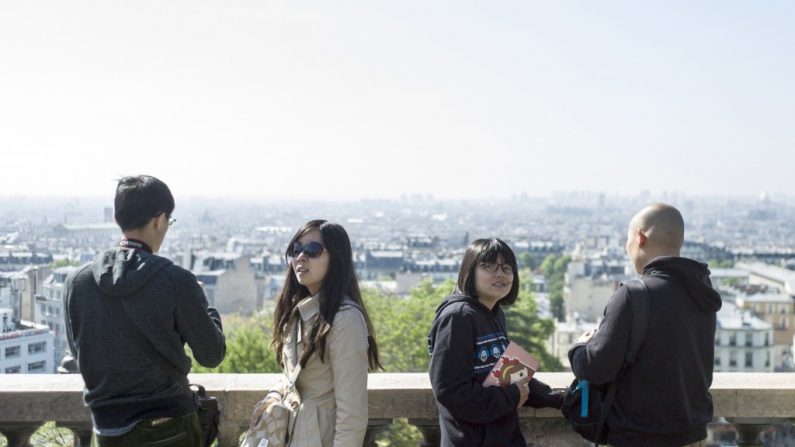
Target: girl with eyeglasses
<point x="466" y="340"/>
<point x="320" y="322"/>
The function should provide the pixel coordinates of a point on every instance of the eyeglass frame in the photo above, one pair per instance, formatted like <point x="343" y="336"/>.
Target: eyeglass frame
<point x="498" y="266"/>
<point x="171" y="220"/>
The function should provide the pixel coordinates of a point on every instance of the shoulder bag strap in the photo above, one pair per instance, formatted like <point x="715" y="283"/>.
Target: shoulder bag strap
<point x="146" y="346"/>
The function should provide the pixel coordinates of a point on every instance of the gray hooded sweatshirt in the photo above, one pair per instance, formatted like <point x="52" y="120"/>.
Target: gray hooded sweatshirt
<point x="122" y="384"/>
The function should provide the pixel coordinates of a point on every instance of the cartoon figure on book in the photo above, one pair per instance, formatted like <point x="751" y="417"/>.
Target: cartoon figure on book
<point x="475" y="370"/>
<point x="512" y="371"/>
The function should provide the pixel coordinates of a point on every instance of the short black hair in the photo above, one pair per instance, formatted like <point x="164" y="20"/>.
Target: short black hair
<point x="487" y="250"/>
<point x="139" y="199"/>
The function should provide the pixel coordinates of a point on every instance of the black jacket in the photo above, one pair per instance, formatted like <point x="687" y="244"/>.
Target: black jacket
<point x="122" y="384"/>
<point x="465" y="342"/>
<point x="663" y="398"/>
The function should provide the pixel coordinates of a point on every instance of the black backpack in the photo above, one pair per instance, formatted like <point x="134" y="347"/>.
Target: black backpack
<point x="585" y="405"/>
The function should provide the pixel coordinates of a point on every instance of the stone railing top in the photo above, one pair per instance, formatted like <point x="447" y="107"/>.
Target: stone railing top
<point x="43" y="397"/>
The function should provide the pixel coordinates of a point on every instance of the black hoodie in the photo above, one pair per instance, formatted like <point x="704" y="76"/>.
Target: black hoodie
<point x="465" y="342"/>
<point x="123" y="385"/>
<point x="663" y="398"/>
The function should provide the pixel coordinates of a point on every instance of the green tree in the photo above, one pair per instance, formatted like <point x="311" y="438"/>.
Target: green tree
<point x="554" y="270"/>
<point x="247" y="347"/>
<point x="528" y="261"/>
<point x="720" y="264"/>
<point x="526" y="328"/>
<point x="402" y="325"/>
<point x="66" y="262"/>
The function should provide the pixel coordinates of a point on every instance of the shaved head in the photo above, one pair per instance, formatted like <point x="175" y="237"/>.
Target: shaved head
<point x="657" y="230"/>
<point x="662" y="224"/>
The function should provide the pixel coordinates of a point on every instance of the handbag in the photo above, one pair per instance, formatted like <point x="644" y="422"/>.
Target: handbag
<point x="209" y="414"/>
<point x="273" y="421"/>
<point x="206" y="406"/>
<point x="585" y="405"/>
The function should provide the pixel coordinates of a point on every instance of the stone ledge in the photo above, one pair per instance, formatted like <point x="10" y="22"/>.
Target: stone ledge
<point x="40" y="397"/>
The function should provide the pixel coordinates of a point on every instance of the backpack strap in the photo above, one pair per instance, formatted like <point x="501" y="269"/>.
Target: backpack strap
<point x="639" y="309"/>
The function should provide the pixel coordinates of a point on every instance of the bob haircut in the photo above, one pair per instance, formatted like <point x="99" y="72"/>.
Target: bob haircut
<point x="340" y="282"/>
<point x="486" y="250"/>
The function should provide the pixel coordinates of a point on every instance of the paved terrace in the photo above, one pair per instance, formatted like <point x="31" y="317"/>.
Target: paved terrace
<point x="751" y="401"/>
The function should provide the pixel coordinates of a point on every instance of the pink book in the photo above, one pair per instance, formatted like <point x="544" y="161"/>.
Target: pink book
<point x="514" y="365"/>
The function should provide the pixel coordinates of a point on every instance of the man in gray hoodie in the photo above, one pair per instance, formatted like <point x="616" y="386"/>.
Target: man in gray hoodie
<point x="133" y="401"/>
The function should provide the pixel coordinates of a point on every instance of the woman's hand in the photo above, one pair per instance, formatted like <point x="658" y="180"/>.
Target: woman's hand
<point x="262" y="406"/>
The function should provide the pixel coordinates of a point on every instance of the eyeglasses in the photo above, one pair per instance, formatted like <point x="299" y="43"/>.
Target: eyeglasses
<point x="492" y="267"/>
<point x="311" y="249"/>
<point x="171" y="220"/>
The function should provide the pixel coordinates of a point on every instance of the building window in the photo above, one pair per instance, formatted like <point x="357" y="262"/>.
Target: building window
<point x="717" y="361"/>
<point x="733" y="358"/>
<point x="767" y="339"/>
<point x="36" y="348"/>
<point x="749" y="359"/>
<point x="36" y="366"/>
<point x="749" y="339"/>
<point x="13" y="351"/>
<point x="767" y="361"/>
<point x="14" y="369"/>
<point x="733" y="339"/>
<point x="43" y="308"/>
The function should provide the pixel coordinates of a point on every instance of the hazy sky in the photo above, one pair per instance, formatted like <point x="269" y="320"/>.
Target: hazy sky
<point x="330" y="100"/>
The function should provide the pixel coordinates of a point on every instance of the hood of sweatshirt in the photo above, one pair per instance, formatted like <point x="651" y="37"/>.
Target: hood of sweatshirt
<point x="121" y="271"/>
<point x="695" y="276"/>
<point x="458" y="298"/>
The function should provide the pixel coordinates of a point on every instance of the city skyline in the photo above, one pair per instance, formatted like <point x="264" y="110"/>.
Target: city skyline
<point x="305" y="101"/>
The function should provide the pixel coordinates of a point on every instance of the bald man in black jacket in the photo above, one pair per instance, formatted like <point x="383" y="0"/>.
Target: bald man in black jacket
<point x="663" y="398"/>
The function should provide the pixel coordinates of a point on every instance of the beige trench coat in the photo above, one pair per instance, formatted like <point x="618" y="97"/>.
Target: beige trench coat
<point x="333" y="409"/>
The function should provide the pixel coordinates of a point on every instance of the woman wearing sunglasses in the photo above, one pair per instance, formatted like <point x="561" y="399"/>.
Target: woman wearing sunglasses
<point x="466" y="340"/>
<point x="320" y="322"/>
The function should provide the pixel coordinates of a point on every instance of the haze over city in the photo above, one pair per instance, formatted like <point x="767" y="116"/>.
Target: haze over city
<point x="306" y="100"/>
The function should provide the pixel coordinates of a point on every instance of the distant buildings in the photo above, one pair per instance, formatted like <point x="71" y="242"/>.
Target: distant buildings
<point x="49" y="308"/>
<point x="743" y="342"/>
<point x="566" y="334"/>
<point x="25" y="348"/>
<point x="102" y="235"/>
<point x="21" y="288"/>
<point x="229" y="281"/>
<point x="17" y="260"/>
<point x="770" y="275"/>
<point x="589" y="284"/>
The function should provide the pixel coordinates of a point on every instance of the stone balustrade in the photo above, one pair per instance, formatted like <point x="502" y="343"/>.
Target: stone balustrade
<point x="750" y="401"/>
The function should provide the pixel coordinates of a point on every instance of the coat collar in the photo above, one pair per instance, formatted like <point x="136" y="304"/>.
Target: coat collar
<point x="309" y="307"/>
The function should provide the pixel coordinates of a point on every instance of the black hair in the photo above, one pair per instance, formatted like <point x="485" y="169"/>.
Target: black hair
<point x="486" y="250"/>
<point x="340" y="282"/>
<point x="139" y="199"/>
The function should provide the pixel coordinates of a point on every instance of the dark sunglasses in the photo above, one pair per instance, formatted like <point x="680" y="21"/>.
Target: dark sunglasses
<point x="311" y="249"/>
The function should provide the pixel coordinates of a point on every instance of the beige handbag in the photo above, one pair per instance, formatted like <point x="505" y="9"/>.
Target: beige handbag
<point x="272" y="422"/>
